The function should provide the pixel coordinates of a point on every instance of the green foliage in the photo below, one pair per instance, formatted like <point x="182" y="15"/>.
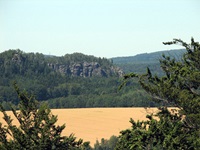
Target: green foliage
<point x="166" y="133"/>
<point x="101" y="92"/>
<point x="36" y="130"/>
<point x="180" y="87"/>
<point x="106" y="144"/>
<point x="78" y="92"/>
<point x="32" y="73"/>
<point x="140" y="62"/>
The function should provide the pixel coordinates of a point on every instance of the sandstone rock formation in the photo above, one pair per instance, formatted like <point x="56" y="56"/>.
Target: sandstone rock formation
<point x="86" y="69"/>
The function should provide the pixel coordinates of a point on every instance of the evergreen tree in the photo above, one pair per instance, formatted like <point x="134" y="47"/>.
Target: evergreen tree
<point x="36" y="130"/>
<point x="106" y="144"/>
<point x="179" y="87"/>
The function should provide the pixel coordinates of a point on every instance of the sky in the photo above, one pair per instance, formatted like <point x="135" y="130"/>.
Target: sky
<point x="103" y="28"/>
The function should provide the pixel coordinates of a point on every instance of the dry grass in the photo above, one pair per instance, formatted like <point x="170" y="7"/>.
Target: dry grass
<point x="92" y="124"/>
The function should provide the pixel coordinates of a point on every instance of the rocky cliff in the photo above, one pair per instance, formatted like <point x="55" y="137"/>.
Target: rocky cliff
<point x="86" y="69"/>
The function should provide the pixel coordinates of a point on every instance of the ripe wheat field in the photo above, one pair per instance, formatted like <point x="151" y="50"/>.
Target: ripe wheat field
<point x="92" y="124"/>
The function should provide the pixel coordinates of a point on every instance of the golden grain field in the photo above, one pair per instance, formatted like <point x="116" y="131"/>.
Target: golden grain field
<point x="92" y="124"/>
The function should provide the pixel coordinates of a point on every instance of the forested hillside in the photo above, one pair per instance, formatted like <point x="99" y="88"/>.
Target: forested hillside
<point x="140" y="62"/>
<point x="77" y="80"/>
<point x="16" y="62"/>
<point x="71" y="81"/>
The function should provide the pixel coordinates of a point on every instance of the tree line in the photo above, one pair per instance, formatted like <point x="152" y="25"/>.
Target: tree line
<point x="31" y="72"/>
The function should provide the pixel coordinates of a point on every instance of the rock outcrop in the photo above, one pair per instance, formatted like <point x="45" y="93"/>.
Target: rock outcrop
<point x="86" y="69"/>
<point x="72" y="65"/>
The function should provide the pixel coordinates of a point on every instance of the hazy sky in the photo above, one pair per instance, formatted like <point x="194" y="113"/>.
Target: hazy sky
<point x="103" y="28"/>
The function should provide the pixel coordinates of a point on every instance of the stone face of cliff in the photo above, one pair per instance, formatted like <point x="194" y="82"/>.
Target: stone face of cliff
<point x="86" y="69"/>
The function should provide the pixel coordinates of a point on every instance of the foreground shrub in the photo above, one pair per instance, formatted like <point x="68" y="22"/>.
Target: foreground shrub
<point x="36" y="130"/>
<point x="179" y="87"/>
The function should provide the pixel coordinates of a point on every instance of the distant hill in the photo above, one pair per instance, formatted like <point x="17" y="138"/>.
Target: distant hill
<point x="140" y="62"/>
<point x="14" y="62"/>
<point x="76" y="80"/>
<point x="71" y="81"/>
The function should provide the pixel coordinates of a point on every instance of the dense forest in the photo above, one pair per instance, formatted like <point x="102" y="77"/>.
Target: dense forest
<point x="77" y="80"/>
<point x="71" y="81"/>
<point x="140" y="62"/>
